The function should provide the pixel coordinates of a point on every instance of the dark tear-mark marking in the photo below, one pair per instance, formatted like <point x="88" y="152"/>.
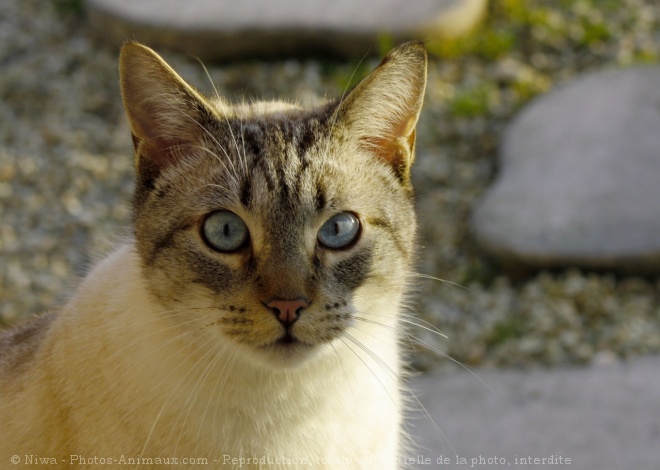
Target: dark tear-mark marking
<point x="210" y="273"/>
<point x="250" y="267"/>
<point x="164" y="242"/>
<point x="353" y="271"/>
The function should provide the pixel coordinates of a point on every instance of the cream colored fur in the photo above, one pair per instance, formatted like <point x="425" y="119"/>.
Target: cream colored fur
<point x="168" y="349"/>
<point x="101" y="390"/>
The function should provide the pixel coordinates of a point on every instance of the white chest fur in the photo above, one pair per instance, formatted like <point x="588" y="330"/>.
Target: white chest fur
<point x="129" y="384"/>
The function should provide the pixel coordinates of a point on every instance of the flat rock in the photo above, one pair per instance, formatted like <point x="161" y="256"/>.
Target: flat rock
<point x="603" y="417"/>
<point x="579" y="181"/>
<point x="226" y="29"/>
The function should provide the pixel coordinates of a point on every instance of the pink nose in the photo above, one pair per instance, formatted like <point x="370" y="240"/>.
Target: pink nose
<point x="287" y="311"/>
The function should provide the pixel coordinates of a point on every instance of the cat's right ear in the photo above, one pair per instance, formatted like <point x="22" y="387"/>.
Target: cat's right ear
<point x="382" y="111"/>
<point x="167" y="116"/>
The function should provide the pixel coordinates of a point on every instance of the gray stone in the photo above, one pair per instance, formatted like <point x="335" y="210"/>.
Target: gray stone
<point x="605" y="417"/>
<point x="579" y="183"/>
<point x="226" y="29"/>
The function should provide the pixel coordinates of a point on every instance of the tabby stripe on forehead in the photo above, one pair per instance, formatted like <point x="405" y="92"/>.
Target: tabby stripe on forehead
<point x="246" y="192"/>
<point x="320" y="198"/>
<point x="267" y="169"/>
<point x="305" y="136"/>
<point x="279" y="159"/>
<point x="284" y="189"/>
<point x="252" y="140"/>
<point x="300" y="178"/>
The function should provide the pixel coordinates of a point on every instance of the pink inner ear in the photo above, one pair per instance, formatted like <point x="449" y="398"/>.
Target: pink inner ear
<point x="147" y="119"/>
<point x="396" y="146"/>
<point x="397" y="154"/>
<point x="384" y="148"/>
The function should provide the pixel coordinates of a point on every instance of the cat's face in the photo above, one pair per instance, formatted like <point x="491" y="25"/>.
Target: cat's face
<point x="270" y="226"/>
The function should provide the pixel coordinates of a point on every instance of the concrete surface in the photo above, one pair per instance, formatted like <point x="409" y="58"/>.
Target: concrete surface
<point x="600" y="417"/>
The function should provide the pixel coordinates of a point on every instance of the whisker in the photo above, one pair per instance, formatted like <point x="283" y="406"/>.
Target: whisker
<point x="341" y="363"/>
<point x="214" y="139"/>
<point x="455" y="361"/>
<point x="175" y="392"/>
<point x="210" y="185"/>
<point x="391" y="373"/>
<point x="217" y="157"/>
<point x="335" y="115"/>
<point x="412" y="339"/>
<point x="208" y="75"/>
<point x="194" y="393"/>
<point x="441" y="435"/>
<point x="390" y="328"/>
<point x="110" y="328"/>
<point x="220" y="375"/>
<point x="409" y="319"/>
<point x="244" y="159"/>
<point x="444" y="281"/>
<point x="357" y="343"/>
<point x="433" y="349"/>
<point x="231" y="132"/>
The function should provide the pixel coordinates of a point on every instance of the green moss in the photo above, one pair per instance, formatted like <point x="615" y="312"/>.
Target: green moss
<point x="532" y="25"/>
<point x="495" y="43"/>
<point x="489" y="44"/>
<point x="347" y="77"/>
<point x="595" y="33"/>
<point x="525" y="90"/>
<point x="71" y="7"/>
<point x="516" y="10"/>
<point x="508" y="329"/>
<point x="385" y="42"/>
<point x="343" y="76"/>
<point x="480" y="271"/>
<point x="473" y="102"/>
<point x="646" y="56"/>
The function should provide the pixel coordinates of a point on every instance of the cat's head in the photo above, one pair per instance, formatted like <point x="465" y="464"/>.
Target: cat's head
<point x="273" y="227"/>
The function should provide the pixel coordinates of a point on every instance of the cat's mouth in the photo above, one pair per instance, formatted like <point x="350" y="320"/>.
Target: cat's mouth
<point x="287" y="351"/>
<point x="287" y="342"/>
<point x="287" y="339"/>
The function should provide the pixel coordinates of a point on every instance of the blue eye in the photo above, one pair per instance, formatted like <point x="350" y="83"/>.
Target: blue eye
<point x="339" y="231"/>
<point x="224" y="231"/>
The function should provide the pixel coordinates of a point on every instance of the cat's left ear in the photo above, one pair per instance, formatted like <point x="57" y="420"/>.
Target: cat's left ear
<point x="167" y="116"/>
<point x="383" y="109"/>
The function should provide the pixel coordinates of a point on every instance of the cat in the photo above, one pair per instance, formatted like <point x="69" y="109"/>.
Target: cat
<point x="253" y="317"/>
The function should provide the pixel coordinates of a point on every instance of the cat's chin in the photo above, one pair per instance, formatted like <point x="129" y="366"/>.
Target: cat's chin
<point x="286" y="352"/>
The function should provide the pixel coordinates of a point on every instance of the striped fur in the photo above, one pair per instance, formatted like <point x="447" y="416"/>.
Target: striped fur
<point x="168" y="346"/>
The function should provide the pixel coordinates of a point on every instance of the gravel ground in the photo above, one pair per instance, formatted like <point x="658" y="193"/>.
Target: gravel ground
<point x="66" y="170"/>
